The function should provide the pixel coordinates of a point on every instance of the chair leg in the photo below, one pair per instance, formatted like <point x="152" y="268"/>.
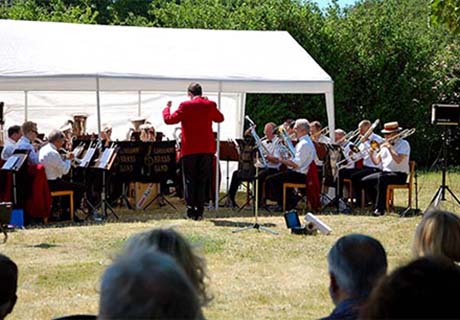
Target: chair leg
<point x="409" y="190"/>
<point x="387" y="201"/>
<point x="71" y="207"/>
<point x="284" y="198"/>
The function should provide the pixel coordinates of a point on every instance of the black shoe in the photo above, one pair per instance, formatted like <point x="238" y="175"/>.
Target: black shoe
<point x="77" y="219"/>
<point x="378" y="213"/>
<point x="190" y="213"/>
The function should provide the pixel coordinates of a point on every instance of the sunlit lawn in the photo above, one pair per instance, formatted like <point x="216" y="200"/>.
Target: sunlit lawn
<point x="253" y="275"/>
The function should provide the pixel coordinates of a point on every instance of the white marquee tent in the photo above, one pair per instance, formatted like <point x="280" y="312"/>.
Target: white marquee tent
<point x="50" y="70"/>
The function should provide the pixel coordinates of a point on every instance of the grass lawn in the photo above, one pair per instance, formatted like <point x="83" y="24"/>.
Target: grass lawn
<point x="253" y="275"/>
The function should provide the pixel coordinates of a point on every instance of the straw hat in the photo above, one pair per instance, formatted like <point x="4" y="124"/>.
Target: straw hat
<point x="391" y="127"/>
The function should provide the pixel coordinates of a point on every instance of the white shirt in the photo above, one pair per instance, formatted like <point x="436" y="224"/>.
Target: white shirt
<point x="305" y="153"/>
<point x="367" y="162"/>
<point x="389" y="165"/>
<point x="25" y="144"/>
<point x="8" y="148"/>
<point x="50" y="158"/>
<point x="273" y="149"/>
<point x="350" y="164"/>
<point x="322" y="139"/>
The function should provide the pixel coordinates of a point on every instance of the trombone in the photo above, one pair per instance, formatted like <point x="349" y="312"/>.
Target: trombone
<point x="324" y="131"/>
<point x="375" y="145"/>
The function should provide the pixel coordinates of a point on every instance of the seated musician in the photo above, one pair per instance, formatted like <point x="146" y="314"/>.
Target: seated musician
<point x="271" y="145"/>
<point x="14" y="134"/>
<point x="298" y="166"/>
<point x="30" y="133"/>
<point x="56" y="166"/>
<point x="347" y="168"/>
<point x="147" y="132"/>
<point x="106" y="134"/>
<point x="394" y="156"/>
<point x="320" y="140"/>
<point x="368" y="166"/>
<point x="67" y="130"/>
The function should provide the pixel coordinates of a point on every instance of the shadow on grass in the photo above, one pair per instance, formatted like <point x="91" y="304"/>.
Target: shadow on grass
<point x="235" y="224"/>
<point x="43" y="246"/>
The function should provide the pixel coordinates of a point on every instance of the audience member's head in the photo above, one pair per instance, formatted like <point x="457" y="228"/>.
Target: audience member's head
<point x="356" y="262"/>
<point x="438" y="234"/>
<point x="423" y="289"/>
<point x="174" y="244"/>
<point x="8" y="285"/>
<point x="147" y="284"/>
<point x="14" y="133"/>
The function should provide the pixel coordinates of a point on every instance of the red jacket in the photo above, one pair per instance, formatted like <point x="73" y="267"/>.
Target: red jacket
<point x="196" y="117"/>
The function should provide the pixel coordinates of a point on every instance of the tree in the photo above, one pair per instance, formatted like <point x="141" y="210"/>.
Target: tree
<point x="446" y="13"/>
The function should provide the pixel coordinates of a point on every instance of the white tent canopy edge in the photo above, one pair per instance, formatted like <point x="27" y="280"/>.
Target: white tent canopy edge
<point x="75" y="57"/>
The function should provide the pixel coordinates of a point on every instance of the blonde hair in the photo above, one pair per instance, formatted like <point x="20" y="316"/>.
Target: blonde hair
<point x="438" y="234"/>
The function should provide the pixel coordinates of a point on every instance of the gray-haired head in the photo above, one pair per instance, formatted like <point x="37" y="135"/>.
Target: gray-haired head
<point x="302" y="124"/>
<point x="357" y="261"/>
<point x="55" y="135"/>
<point x="147" y="284"/>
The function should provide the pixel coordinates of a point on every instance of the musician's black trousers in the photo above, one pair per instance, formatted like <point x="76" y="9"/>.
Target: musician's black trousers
<point x="357" y="185"/>
<point x="379" y="182"/>
<point x="197" y="171"/>
<point x="344" y="174"/>
<point x="275" y="184"/>
<point x="61" y="185"/>
<point x="237" y="179"/>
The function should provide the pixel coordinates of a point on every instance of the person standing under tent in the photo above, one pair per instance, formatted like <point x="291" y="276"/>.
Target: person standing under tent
<point x="197" y="145"/>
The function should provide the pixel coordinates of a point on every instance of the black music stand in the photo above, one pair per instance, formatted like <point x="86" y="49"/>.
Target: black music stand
<point x="84" y="165"/>
<point x="14" y="164"/>
<point x="228" y="152"/>
<point x="151" y="160"/>
<point x="256" y="224"/>
<point x="105" y="164"/>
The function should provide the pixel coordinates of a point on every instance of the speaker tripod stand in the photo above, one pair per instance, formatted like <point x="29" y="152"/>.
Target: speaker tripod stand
<point x="440" y="194"/>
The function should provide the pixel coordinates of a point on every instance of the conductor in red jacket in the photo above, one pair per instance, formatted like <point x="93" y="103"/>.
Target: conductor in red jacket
<point x="197" y="145"/>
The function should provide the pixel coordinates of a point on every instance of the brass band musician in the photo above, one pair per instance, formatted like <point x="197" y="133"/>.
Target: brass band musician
<point x="270" y="144"/>
<point x="30" y="134"/>
<point x="394" y="156"/>
<point x="56" y="166"/>
<point x="147" y="132"/>
<point x="298" y="167"/>
<point x="14" y="134"/>
<point x="368" y="166"/>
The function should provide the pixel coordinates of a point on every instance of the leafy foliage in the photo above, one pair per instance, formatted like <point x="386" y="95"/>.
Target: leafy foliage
<point x="446" y="13"/>
<point x="386" y="60"/>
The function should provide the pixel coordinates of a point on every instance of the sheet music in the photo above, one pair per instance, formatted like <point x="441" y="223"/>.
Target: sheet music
<point x="10" y="163"/>
<point x="87" y="158"/>
<point x="105" y="159"/>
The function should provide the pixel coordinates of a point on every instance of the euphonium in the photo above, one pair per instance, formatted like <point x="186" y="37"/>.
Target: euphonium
<point x="136" y="122"/>
<point x="287" y="149"/>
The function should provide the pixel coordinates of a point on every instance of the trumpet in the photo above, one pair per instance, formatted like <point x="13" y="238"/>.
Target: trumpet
<point x="375" y="146"/>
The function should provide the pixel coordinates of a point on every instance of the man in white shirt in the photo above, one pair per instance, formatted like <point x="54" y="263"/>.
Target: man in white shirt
<point x="270" y="147"/>
<point x="298" y="166"/>
<point x="30" y="133"/>
<point x="394" y="156"/>
<point x="368" y="166"/>
<point x="14" y="134"/>
<point x="56" y="166"/>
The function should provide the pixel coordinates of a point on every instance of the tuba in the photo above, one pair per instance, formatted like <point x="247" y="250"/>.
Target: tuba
<point x="135" y="130"/>
<point x="79" y="124"/>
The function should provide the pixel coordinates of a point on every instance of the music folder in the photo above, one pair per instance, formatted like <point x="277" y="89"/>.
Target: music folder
<point x="88" y="157"/>
<point x="15" y="162"/>
<point x="105" y="161"/>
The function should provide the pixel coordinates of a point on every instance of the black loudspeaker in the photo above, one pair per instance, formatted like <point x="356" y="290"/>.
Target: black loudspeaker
<point x="445" y="114"/>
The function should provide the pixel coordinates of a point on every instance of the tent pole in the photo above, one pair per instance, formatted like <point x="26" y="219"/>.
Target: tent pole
<point x="330" y="111"/>
<point x="218" y="149"/>
<point x="98" y="105"/>
<point x="242" y="115"/>
<point x="26" y="106"/>
<point x="139" y="103"/>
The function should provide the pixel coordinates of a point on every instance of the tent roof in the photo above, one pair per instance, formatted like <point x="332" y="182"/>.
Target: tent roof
<point x="49" y="56"/>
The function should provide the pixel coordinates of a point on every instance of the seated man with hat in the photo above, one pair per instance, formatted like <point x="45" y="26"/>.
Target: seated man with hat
<point x="393" y="154"/>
